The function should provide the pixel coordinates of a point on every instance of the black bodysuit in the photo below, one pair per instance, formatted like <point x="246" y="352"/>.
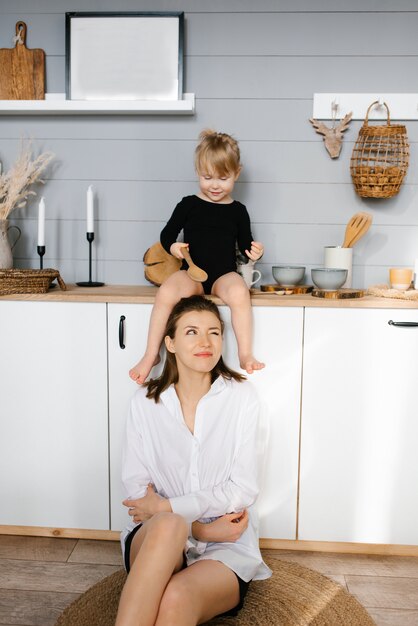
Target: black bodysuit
<point x="212" y="231"/>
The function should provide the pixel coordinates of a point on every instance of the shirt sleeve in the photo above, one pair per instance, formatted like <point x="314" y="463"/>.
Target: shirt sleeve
<point x="245" y="236"/>
<point x="174" y="225"/>
<point x="241" y="489"/>
<point x="135" y="474"/>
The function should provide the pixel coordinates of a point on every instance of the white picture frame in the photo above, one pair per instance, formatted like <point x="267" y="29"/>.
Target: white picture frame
<point x="124" y="56"/>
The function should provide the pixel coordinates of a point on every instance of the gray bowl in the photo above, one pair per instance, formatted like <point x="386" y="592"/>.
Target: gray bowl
<point x="288" y="275"/>
<point x="329" y="277"/>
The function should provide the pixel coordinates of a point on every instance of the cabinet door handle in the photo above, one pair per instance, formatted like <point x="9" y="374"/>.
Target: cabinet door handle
<point x="405" y="324"/>
<point x="121" y="332"/>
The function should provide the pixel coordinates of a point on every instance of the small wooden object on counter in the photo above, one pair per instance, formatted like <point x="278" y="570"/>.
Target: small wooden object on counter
<point x="338" y="294"/>
<point x="159" y="265"/>
<point x="22" y="74"/>
<point x="380" y="158"/>
<point x="28" y="281"/>
<point x="288" y="290"/>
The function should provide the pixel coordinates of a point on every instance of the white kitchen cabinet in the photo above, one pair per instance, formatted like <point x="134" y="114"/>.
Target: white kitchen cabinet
<point x="127" y="327"/>
<point x="359" y="461"/>
<point x="277" y="341"/>
<point x="53" y="415"/>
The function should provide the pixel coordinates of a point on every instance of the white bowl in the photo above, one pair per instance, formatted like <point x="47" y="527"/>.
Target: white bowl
<point x="329" y="277"/>
<point x="288" y="275"/>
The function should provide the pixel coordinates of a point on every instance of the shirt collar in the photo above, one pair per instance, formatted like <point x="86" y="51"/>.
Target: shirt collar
<point x="169" y="396"/>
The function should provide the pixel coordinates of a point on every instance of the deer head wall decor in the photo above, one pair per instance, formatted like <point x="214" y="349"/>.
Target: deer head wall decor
<point x="333" y="136"/>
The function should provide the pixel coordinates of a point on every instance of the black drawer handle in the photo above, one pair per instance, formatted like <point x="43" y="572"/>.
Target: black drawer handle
<point x="121" y="332"/>
<point x="405" y="324"/>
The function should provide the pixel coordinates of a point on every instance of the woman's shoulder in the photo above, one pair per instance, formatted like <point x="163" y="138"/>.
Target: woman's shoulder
<point x="143" y="410"/>
<point x="243" y="389"/>
<point x="139" y="401"/>
<point x="140" y="394"/>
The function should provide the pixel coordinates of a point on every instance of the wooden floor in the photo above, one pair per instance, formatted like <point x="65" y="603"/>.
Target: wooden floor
<point x="39" y="576"/>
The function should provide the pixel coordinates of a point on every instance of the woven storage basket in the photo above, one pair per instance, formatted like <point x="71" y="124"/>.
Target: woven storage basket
<point x="380" y="158"/>
<point x="28" y="281"/>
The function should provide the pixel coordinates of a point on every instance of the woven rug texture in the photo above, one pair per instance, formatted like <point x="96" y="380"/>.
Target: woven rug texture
<point x="293" y="596"/>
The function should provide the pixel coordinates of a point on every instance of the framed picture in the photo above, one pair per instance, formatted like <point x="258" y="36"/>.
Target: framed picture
<point x="124" y="56"/>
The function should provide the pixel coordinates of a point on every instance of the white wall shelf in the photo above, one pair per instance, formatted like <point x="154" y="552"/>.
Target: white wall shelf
<point x="402" y="106"/>
<point x="56" y="104"/>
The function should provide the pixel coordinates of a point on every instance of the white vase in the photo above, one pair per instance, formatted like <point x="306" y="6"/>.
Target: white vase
<point x="6" y="256"/>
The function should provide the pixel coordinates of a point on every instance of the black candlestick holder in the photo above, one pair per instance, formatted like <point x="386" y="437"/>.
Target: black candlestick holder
<point x="41" y="252"/>
<point x="90" y="282"/>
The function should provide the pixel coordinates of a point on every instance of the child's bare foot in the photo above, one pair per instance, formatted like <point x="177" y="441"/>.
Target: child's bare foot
<point x="250" y="364"/>
<point x="139" y="373"/>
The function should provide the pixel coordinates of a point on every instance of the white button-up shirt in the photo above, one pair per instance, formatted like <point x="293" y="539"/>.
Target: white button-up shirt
<point x="205" y="474"/>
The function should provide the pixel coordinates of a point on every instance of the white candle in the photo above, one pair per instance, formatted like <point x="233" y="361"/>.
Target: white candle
<point x="90" y="212"/>
<point x="41" y="222"/>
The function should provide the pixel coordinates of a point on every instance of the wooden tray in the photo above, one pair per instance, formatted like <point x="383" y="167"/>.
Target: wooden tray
<point x="338" y="294"/>
<point x="288" y="290"/>
<point x="22" y="75"/>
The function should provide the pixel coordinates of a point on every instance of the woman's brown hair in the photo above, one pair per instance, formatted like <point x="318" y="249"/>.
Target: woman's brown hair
<point x="170" y="374"/>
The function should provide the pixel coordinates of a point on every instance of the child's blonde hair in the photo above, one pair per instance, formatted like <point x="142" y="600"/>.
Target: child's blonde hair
<point x="217" y="153"/>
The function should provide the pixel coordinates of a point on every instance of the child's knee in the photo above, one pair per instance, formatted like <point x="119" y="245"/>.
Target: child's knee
<point x="168" y="293"/>
<point x="239" y="294"/>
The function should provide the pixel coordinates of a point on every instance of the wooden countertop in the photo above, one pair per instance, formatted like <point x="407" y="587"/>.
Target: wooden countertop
<point x="144" y="294"/>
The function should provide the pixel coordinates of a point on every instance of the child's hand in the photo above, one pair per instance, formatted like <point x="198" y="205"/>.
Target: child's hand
<point x="256" y="252"/>
<point x="175" y="249"/>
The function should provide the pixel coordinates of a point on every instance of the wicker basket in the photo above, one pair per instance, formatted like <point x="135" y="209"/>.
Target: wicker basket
<point x="380" y="158"/>
<point x="28" y="281"/>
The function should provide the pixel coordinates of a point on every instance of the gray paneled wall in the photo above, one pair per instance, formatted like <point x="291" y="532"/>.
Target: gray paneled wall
<point x="254" y="68"/>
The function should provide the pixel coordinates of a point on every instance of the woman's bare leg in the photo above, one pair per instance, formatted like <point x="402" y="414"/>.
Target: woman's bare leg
<point x="156" y="552"/>
<point x="198" y="593"/>
<point x="178" y="285"/>
<point x="232" y="289"/>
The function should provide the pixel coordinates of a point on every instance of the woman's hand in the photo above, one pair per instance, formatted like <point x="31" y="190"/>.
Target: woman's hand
<point x="227" y="528"/>
<point x="256" y="252"/>
<point x="175" y="249"/>
<point x="144" y="508"/>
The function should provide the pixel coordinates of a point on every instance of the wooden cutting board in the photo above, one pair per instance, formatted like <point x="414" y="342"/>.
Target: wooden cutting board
<point x="22" y="71"/>
<point x="290" y="289"/>
<point x="338" y="294"/>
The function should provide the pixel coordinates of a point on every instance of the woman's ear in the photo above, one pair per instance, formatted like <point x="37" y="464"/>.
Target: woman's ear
<point x="169" y="344"/>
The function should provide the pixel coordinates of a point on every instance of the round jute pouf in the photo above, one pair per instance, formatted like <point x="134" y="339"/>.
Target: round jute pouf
<point x="293" y="596"/>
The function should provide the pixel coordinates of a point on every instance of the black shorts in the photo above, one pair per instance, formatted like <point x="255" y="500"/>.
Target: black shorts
<point x="243" y="585"/>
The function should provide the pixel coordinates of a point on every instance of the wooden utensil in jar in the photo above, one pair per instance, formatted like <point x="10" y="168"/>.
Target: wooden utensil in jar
<point x="363" y="230"/>
<point x="354" y="226"/>
<point x="194" y="272"/>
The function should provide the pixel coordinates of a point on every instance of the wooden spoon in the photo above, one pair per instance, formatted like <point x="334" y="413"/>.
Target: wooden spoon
<point x="355" y="224"/>
<point x="363" y="230"/>
<point x="194" y="272"/>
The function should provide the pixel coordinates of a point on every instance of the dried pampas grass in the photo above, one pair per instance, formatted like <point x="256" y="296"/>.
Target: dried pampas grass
<point x="14" y="184"/>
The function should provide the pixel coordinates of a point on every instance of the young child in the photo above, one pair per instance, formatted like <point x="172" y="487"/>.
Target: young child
<point x="213" y="225"/>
